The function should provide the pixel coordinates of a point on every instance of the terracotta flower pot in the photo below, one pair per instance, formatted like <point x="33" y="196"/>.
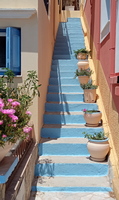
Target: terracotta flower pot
<point x="83" y="79"/>
<point x="83" y="65"/>
<point x="4" y="150"/>
<point x="98" y="149"/>
<point x="82" y="56"/>
<point x="89" y="95"/>
<point x="92" y="119"/>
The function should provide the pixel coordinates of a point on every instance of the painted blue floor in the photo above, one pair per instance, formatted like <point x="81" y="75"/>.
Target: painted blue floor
<point x="63" y="119"/>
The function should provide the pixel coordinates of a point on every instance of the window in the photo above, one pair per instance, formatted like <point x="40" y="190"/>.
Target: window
<point x="105" y="19"/>
<point x="10" y="50"/>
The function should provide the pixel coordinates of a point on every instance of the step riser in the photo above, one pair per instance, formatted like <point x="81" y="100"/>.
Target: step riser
<point x="68" y="89"/>
<point x="67" y="132"/>
<point x="69" y="107"/>
<point x="54" y="169"/>
<point x="71" y="189"/>
<point x="64" y="68"/>
<point x="56" y="81"/>
<point x="64" y="119"/>
<point x="63" y="149"/>
<point x="65" y="98"/>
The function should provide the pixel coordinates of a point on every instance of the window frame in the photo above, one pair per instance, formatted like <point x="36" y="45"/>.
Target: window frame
<point x="13" y="50"/>
<point x="105" y="19"/>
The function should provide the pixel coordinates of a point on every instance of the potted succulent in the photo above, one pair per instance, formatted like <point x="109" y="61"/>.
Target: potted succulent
<point x="69" y="5"/>
<point x="92" y="117"/>
<point x="81" y="54"/>
<point x="89" y="92"/>
<point x="83" y="75"/>
<point x="98" y="145"/>
<point x="14" y="105"/>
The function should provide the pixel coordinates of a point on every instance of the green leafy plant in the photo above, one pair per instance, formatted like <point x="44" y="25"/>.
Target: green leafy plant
<point x="83" y="72"/>
<point x="83" y="50"/>
<point x="14" y="104"/>
<point x="90" y="111"/>
<point x="96" y="136"/>
<point x="89" y="86"/>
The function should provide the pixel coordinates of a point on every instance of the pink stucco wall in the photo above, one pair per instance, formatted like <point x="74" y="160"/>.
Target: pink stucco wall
<point x="106" y="49"/>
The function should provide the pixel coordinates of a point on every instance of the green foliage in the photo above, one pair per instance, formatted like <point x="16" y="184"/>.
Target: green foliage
<point x="90" y="111"/>
<point x="83" y="72"/>
<point x="95" y="136"/>
<point x="89" y="86"/>
<point x="83" y="50"/>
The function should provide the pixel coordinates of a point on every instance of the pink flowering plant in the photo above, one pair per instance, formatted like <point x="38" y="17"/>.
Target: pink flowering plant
<point x="14" y="104"/>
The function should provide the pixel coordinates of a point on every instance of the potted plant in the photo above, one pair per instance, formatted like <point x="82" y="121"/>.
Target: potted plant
<point x="92" y="117"/>
<point x="89" y="92"/>
<point x="14" y="105"/>
<point x="83" y="75"/>
<point x="81" y="54"/>
<point x="69" y="5"/>
<point x="98" y="145"/>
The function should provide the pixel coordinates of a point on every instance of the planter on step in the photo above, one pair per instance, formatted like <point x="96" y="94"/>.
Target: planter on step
<point x="69" y="7"/>
<point x="98" y="146"/>
<point x="89" y="92"/>
<point x="81" y="54"/>
<point x="83" y="65"/>
<point x="83" y="75"/>
<point x="92" y="117"/>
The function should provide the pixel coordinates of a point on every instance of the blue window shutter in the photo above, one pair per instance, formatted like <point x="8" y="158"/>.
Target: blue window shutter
<point x="13" y="49"/>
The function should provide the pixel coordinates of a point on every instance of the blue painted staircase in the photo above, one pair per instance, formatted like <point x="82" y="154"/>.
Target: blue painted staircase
<point x="64" y="164"/>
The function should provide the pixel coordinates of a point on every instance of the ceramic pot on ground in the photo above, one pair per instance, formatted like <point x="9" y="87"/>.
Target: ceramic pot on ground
<point x="82" y="56"/>
<point x="93" y="119"/>
<point x="83" y="79"/>
<point x="98" y="149"/>
<point x="83" y="65"/>
<point x="89" y="95"/>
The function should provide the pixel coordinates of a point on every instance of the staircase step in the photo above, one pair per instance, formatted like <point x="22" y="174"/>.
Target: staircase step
<point x="65" y="97"/>
<point x="71" y="169"/>
<point x="67" y="89"/>
<point x="54" y="107"/>
<point x="66" y="68"/>
<point x="60" y="132"/>
<point x="72" y="184"/>
<point x="64" y="168"/>
<point x="63" y="119"/>
<point x="57" y="81"/>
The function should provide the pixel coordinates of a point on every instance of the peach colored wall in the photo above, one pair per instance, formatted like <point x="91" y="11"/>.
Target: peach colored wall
<point x="37" y="43"/>
<point x="45" y="48"/>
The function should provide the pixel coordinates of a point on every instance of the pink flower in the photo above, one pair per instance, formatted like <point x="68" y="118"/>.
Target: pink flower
<point x="27" y="129"/>
<point x="14" y="125"/>
<point x="28" y="113"/>
<point x="13" y="117"/>
<point x="4" y="136"/>
<point x="8" y="111"/>
<point x="10" y="100"/>
<point x="15" y="103"/>
<point x="84" y="110"/>
<point x="1" y="122"/>
<point x="1" y="103"/>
